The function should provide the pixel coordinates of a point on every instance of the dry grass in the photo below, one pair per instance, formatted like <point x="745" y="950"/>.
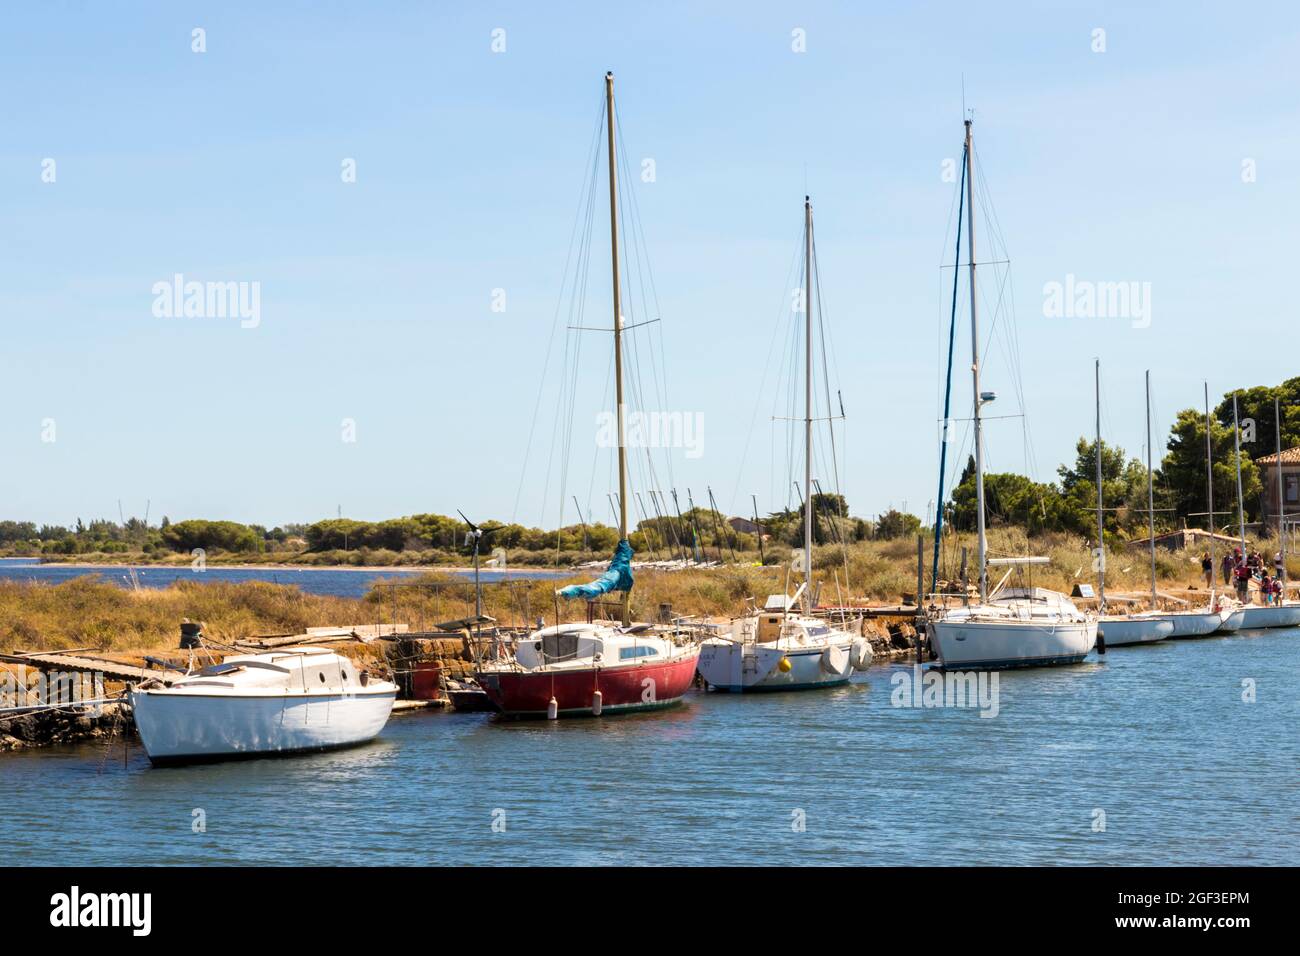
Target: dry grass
<point x="88" y="611"/>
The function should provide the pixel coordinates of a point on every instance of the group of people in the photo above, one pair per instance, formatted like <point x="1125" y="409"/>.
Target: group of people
<point x="1241" y="569"/>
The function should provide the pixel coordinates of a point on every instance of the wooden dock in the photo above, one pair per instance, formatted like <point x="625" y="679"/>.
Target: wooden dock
<point x="111" y="670"/>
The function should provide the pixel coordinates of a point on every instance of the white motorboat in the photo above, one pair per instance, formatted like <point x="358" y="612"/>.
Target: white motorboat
<point x="291" y="700"/>
<point x="781" y="649"/>
<point x="1018" y="627"/>
<point x="1125" y="631"/>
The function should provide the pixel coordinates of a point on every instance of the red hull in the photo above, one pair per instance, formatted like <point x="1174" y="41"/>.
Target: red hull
<point x="631" y="687"/>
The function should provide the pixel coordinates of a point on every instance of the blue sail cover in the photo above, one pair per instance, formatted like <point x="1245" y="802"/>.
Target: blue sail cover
<point x="617" y="578"/>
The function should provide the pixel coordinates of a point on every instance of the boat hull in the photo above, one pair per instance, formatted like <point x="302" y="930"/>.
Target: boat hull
<point x="627" y="689"/>
<point x="1134" y="630"/>
<point x="178" y="728"/>
<point x="1196" y="624"/>
<point x="998" y="645"/>
<point x="751" y="667"/>
<point x="1269" y="616"/>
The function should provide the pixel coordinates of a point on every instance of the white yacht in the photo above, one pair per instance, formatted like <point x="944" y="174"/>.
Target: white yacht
<point x="290" y="700"/>
<point x="1017" y="627"/>
<point x="779" y="648"/>
<point x="1020" y="627"/>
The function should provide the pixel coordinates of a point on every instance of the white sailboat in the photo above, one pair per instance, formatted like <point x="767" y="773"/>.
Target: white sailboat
<point x="1020" y="627"/>
<point x="1123" y="630"/>
<point x="1221" y="615"/>
<point x="777" y="648"/>
<point x="292" y="700"/>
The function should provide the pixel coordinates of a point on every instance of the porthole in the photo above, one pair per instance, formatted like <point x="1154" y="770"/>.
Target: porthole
<point x="322" y="677"/>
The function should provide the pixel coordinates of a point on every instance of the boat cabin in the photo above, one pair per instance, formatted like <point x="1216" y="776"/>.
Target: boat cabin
<point x="585" y="644"/>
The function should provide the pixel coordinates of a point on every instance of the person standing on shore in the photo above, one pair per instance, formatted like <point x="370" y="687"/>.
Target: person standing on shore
<point x="1207" y="567"/>
<point x="1228" y="565"/>
<point x="1244" y="575"/>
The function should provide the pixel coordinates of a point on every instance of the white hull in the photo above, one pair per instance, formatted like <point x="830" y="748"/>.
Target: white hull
<point x="1128" y="631"/>
<point x="980" y="645"/>
<point x="177" y="727"/>
<point x="731" y="666"/>
<point x="1234" y="622"/>
<point x="1278" y="615"/>
<point x="1196" y="623"/>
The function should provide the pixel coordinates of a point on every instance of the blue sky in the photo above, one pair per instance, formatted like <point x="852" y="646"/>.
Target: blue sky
<point x="376" y="295"/>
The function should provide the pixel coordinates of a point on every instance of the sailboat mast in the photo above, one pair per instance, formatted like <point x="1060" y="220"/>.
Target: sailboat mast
<point x="808" y="401"/>
<point x="1101" y="516"/>
<point x="1281" y="500"/>
<point x="975" y="370"/>
<point x="1209" y="479"/>
<point x="618" y="331"/>
<point x="1151" y="498"/>
<point x="1241" y="502"/>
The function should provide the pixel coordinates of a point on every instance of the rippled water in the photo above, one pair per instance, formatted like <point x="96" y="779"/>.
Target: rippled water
<point x="1158" y="738"/>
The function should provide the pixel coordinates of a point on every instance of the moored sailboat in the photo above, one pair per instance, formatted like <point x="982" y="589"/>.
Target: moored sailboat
<point x="597" y="667"/>
<point x="777" y="648"/>
<point x="1021" y="627"/>
<point x="1122" y="630"/>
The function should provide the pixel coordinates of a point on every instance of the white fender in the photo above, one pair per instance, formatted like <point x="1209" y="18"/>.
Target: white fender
<point x="835" y="660"/>
<point x="597" y="699"/>
<point x="861" y="654"/>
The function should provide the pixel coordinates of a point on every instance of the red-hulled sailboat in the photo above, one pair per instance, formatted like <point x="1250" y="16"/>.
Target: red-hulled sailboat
<point x="602" y="667"/>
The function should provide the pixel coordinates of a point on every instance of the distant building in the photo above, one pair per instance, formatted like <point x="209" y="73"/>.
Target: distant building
<point x="743" y="525"/>
<point x="1286" y="470"/>
<point x="1184" y="539"/>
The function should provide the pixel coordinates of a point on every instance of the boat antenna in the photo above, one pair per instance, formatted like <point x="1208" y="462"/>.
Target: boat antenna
<point x="625" y="608"/>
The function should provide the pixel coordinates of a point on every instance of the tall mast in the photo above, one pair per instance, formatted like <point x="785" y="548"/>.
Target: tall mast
<point x="808" y="402"/>
<point x="1209" y="481"/>
<point x="618" y="333"/>
<point x="1101" y="516"/>
<point x="1281" y="500"/>
<point x="975" y="372"/>
<point x="1241" y="503"/>
<point x="1151" y="498"/>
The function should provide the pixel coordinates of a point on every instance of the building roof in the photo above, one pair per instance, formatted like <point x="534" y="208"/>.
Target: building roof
<point x="1291" y="457"/>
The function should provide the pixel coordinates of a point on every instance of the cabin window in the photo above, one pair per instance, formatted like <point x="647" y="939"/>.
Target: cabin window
<point x="632" y="653"/>
<point x="817" y="631"/>
<point x="560" y="647"/>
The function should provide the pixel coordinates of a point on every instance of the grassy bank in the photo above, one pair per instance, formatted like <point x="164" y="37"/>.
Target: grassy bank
<point x="89" y="612"/>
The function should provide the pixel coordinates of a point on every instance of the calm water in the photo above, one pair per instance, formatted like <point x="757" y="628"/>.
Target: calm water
<point x="1157" y="737"/>
<point x="333" y="581"/>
